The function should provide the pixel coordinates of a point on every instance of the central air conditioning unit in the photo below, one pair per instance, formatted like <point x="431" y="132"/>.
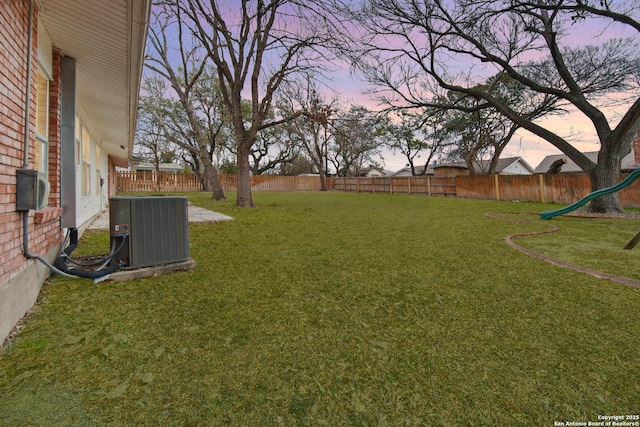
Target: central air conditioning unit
<point x="148" y="231"/>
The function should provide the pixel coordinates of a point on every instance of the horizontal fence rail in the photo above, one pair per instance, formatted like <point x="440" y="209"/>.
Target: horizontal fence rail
<point x="431" y="186"/>
<point x="149" y="181"/>
<point x="172" y="182"/>
<point x="560" y="188"/>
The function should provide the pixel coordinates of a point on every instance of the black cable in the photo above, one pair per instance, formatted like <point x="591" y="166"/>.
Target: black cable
<point x="61" y="261"/>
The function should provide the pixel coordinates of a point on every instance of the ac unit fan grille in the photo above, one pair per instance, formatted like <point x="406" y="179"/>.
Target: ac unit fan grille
<point x="156" y="230"/>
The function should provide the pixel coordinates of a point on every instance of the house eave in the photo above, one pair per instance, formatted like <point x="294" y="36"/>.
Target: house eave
<point x="107" y="40"/>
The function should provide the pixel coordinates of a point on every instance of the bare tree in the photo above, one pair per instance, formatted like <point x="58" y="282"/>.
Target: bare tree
<point x="476" y="136"/>
<point x="413" y="48"/>
<point x="255" y="46"/>
<point x="272" y="149"/>
<point x="311" y="130"/>
<point x="187" y="73"/>
<point x="300" y="165"/>
<point x="150" y="142"/>
<point x="358" y="136"/>
<point x="477" y="133"/>
<point x="418" y="134"/>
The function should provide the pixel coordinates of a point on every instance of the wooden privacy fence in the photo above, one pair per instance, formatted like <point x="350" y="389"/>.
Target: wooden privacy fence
<point x="274" y="183"/>
<point x="149" y="181"/>
<point x="560" y="188"/>
<point x="431" y="186"/>
<point x="172" y="182"/>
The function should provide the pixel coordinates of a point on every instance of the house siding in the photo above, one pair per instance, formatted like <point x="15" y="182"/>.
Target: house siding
<point x="20" y="277"/>
<point x="89" y="205"/>
<point x="516" y="169"/>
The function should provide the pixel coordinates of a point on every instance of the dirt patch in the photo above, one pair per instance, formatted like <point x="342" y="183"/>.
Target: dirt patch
<point x="513" y="217"/>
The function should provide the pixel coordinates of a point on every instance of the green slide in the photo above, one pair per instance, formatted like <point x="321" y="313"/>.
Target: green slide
<point x="589" y="197"/>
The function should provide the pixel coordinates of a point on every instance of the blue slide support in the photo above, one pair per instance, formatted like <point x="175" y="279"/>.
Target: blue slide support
<point x="589" y="197"/>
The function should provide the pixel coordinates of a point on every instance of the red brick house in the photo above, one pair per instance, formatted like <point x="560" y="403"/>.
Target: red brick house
<point x="70" y="74"/>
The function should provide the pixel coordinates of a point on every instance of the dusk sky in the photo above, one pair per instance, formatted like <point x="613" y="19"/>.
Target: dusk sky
<point x="530" y="147"/>
<point x="352" y="90"/>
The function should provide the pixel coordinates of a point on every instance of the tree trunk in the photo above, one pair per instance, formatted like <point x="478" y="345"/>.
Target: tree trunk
<point x="245" y="200"/>
<point x="157" y="177"/>
<point x="317" y="161"/>
<point x="214" y="183"/>
<point x="210" y="179"/>
<point x="606" y="174"/>
<point x="493" y="165"/>
<point x="323" y="181"/>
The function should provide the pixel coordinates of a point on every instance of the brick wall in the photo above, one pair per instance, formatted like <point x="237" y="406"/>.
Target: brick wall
<point x="44" y="227"/>
<point x="13" y="21"/>
<point x="54" y="131"/>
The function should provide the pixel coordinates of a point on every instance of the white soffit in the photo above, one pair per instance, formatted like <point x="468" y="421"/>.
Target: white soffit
<point x="106" y="38"/>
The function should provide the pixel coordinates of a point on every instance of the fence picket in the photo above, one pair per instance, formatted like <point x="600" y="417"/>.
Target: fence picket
<point x="561" y="188"/>
<point x="166" y="182"/>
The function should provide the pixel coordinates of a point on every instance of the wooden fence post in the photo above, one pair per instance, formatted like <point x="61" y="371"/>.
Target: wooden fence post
<point x="429" y="185"/>
<point x="497" y="187"/>
<point x="541" y="180"/>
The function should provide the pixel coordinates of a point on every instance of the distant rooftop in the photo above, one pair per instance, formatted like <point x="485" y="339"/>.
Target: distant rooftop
<point x="480" y="167"/>
<point x="628" y="162"/>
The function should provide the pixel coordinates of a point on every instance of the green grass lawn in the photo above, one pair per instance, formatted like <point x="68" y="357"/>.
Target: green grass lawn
<point x="593" y="243"/>
<point x="338" y="309"/>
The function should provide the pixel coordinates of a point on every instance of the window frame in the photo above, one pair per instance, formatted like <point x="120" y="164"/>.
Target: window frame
<point x="85" y="161"/>
<point x="41" y="143"/>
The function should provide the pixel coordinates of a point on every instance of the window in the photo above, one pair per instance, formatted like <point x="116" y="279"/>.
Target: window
<point x="86" y="162"/>
<point x="78" y="140"/>
<point x="98" y="169"/>
<point x="41" y="158"/>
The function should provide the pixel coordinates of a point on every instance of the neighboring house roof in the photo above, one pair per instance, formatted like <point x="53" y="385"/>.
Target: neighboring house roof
<point x="371" y="171"/>
<point x="568" y="167"/>
<point x="107" y="39"/>
<point x="506" y="166"/>
<point x="163" y="167"/>
<point x="627" y="163"/>
<point x="512" y="165"/>
<point x="457" y="165"/>
<point x="407" y="171"/>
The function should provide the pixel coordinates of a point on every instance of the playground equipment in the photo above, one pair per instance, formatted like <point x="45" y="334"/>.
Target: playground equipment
<point x="633" y="242"/>
<point x="589" y="197"/>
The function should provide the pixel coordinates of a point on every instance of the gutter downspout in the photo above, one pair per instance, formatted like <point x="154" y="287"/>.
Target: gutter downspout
<point x="27" y="131"/>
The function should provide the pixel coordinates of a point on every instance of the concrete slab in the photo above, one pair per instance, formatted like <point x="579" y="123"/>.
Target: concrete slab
<point x="195" y="213"/>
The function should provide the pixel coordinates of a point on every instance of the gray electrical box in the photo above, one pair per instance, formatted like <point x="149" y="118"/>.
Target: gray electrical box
<point x="149" y="231"/>
<point x="32" y="190"/>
